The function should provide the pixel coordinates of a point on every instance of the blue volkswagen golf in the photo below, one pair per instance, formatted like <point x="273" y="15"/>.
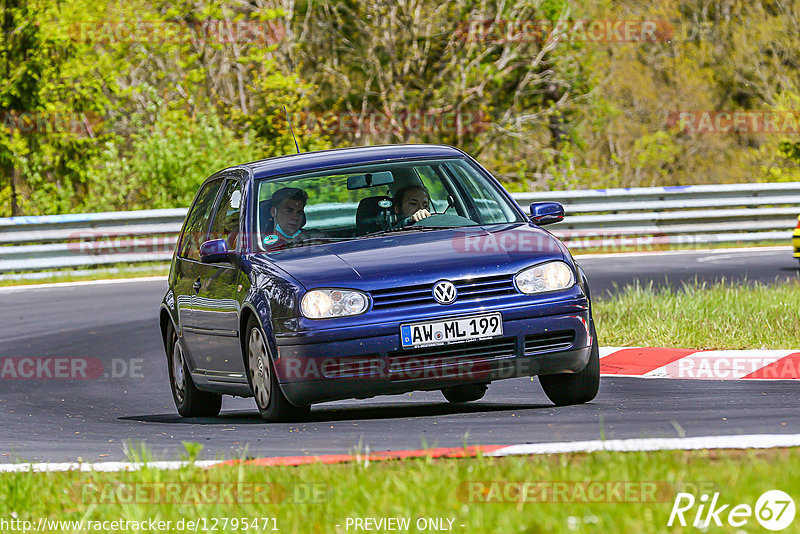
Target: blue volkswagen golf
<point x="370" y="271"/>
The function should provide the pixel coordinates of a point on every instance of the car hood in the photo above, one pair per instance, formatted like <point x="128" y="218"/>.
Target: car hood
<point x="419" y="257"/>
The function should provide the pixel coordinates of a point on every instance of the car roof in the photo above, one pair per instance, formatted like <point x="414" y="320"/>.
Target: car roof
<point x="307" y="161"/>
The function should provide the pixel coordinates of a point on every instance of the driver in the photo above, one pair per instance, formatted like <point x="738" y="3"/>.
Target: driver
<point x="287" y="210"/>
<point x="411" y="204"/>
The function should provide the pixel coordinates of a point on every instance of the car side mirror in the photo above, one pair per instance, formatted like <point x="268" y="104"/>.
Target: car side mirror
<point x="215" y="251"/>
<point x="547" y="213"/>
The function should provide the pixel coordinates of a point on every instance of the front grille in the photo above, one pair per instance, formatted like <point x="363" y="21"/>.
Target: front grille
<point x="420" y="295"/>
<point x="549" y="341"/>
<point x="352" y="366"/>
<point x="430" y="362"/>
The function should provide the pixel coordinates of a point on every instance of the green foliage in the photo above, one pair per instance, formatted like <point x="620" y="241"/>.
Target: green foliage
<point x="163" y="168"/>
<point x="162" y="108"/>
<point x="44" y="101"/>
<point x="278" y="97"/>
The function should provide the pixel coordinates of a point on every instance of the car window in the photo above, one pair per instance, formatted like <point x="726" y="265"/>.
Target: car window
<point x="226" y="219"/>
<point x="431" y="180"/>
<point x="343" y="204"/>
<point x="484" y="202"/>
<point x="197" y="221"/>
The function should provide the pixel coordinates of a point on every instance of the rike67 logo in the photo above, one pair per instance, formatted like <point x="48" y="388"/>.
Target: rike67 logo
<point x="774" y="510"/>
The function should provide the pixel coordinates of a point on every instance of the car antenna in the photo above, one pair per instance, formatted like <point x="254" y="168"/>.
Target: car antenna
<point x="291" y="129"/>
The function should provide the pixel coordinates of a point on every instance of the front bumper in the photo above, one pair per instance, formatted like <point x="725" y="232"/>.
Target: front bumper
<point x="365" y="362"/>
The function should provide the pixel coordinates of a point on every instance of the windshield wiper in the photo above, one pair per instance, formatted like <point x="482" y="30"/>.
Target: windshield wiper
<point x="318" y="241"/>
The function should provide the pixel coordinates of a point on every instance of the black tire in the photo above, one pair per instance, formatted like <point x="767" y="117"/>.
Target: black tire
<point x="465" y="393"/>
<point x="575" y="388"/>
<point x="271" y="402"/>
<point x="190" y="401"/>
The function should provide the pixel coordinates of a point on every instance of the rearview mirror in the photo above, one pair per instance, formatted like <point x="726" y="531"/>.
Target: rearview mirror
<point x="373" y="179"/>
<point x="215" y="251"/>
<point x="546" y="213"/>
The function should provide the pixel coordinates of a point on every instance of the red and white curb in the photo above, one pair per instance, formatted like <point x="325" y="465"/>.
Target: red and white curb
<point x="753" y="441"/>
<point x="651" y="362"/>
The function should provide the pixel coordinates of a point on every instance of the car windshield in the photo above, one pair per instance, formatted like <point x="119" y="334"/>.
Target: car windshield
<point x="365" y="201"/>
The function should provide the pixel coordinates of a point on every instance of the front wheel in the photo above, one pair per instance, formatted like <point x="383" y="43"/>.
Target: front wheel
<point x="575" y="388"/>
<point x="271" y="402"/>
<point x="190" y="401"/>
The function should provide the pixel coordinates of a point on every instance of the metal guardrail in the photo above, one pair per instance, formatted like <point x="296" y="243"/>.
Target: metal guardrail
<point x="639" y="217"/>
<point x="642" y="217"/>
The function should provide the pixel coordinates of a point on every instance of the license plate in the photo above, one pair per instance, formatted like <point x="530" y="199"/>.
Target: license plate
<point x="457" y="330"/>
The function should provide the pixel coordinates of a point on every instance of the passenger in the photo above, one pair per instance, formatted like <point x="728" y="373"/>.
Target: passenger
<point x="411" y="204"/>
<point x="287" y="218"/>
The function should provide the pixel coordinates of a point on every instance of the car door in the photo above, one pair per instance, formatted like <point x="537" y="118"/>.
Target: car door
<point x="216" y="308"/>
<point x="187" y="279"/>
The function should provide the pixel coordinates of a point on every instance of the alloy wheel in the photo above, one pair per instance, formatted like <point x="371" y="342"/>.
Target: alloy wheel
<point x="259" y="368"/>
<point x="179" y="378"/>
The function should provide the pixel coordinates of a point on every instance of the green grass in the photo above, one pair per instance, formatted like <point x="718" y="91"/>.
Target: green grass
<point x="316" y="498"/>
<point x="702" y="316"/>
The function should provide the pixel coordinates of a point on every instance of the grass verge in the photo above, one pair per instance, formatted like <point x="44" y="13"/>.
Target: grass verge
<point x="702" y="316"/>
<point x="80" y="275"/>
<point x="597" y="492"/>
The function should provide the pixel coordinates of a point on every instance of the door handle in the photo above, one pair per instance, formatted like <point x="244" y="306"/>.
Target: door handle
<point x="196" y="285"/>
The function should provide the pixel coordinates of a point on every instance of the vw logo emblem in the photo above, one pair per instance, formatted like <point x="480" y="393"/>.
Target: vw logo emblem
<point x="444" y="292"/>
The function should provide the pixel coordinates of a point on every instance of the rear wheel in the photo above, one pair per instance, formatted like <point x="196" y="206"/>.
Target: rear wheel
<point x="190" y="401"/>
<point x="575" y="388"/>
<point x="271" y="402"/>
<point x="465" y="393"/>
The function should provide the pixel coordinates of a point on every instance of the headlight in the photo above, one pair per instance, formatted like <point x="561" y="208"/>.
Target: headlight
<point x="550" y="276"/>
<point x="327" y="303"/>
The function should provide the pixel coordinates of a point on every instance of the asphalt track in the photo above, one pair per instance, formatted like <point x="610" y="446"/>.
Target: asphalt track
<point x="64" y="420"/>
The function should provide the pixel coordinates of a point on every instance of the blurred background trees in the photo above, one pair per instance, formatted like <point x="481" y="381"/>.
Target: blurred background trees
<point x="129" y="105"/>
